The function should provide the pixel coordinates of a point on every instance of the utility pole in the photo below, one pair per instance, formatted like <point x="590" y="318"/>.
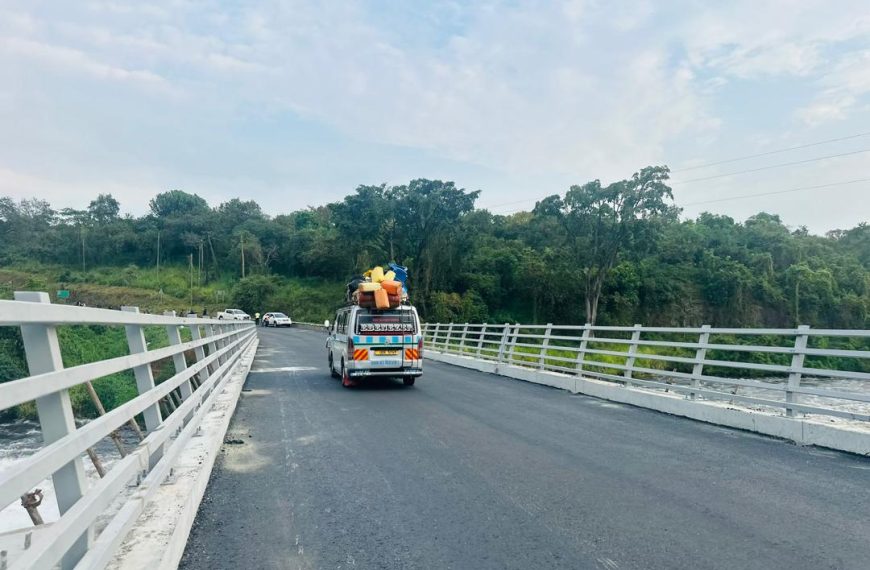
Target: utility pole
<point x="82" y="235"/>
<point x="158" y="259"/>
<point x="242" y="236"/>
<point x="190" y="261"/>
<point x="199" y="269"/>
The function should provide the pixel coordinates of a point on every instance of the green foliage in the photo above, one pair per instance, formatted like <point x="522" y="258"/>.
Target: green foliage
<point x="251" y="293"/>
<point x="456" y="308"/>
<point x="617" y="254"/>
<point x="598" y="223"/>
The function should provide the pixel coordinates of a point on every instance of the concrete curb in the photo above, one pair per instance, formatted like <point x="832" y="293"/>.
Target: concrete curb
<point x="309" y="327"/>
<point x="159" y="537"/>
<point x="799" y="430"/>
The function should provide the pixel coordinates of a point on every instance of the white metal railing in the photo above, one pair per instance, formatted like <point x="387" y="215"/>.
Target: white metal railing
<point x="784" y="368"/>
<point x="171" y="412"/>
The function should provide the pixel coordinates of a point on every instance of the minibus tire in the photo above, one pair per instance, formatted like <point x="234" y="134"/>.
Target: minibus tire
<point x="332" y="371"/>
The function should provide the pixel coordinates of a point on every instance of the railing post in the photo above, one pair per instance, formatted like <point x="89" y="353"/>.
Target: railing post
<point x="480" y="339"/>
<point x="700" y="355"/>
<point x="515" y="331"/>
<point x="435" y="336"/>
<point x="462" y="339"/>
<point x="210" y="331"/>
<point x="56" y="419"/>
<point x="144" y="378"/>
<point x="503" y="344"/>
<point x="797" y="361"/>
<point x="632" y="350"/>
<point x="581" y="352"/>
<point x="174" y="334"/>
<point x="224" y="342"/>
<point x="199" y="351"/>
<point x="235" y="334"/>
<point x="545" y="345"/>
<point x="447" y="340"/>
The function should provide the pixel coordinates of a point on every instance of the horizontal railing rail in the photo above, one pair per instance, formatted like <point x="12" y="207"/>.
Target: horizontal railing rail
<point x="170" y="413"/>
<point x="771" y="368"/>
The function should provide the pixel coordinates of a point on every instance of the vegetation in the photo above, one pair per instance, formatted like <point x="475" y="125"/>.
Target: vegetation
<point x="607" y="254"/>
<point x="614" y="254"/>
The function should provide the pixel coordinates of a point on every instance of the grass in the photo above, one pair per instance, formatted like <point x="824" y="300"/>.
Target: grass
<point x="112" y="287"/>
<point x="81" y="344"/>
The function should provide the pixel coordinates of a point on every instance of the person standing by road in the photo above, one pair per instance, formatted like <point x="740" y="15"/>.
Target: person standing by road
<point x="257" y="318"/>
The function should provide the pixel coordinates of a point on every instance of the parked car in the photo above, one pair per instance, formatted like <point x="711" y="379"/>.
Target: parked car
<point x="369" y="342"/>
<point x="234" y="315"/>
<point x="276" y="320"/>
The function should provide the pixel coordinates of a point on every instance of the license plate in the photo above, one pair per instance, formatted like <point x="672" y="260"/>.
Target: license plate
<point x="386" y="352"/>
<point x="387" y="363"/>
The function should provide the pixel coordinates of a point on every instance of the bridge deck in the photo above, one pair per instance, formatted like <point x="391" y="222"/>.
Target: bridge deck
<point x="467" y="470"/>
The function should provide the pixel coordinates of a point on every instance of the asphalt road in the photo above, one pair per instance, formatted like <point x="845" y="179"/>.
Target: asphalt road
<point x="471" y="471"/>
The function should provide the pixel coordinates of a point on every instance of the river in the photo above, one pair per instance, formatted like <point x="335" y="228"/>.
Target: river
<point x="23" y="438"/>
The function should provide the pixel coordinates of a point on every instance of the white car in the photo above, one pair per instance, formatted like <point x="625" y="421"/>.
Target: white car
<point x="276" y="320"/>
<point x="234" y="315"/>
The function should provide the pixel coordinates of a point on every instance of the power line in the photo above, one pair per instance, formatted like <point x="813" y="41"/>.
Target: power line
<point x="730" y="160"/>
<point x="744" y="196"/>
<point x="780" y="165"/>
<point x="510" y="203"/>
<point x="768" y="153"/>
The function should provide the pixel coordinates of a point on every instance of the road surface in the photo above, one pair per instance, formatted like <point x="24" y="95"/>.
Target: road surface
<point x="471" y="471"/>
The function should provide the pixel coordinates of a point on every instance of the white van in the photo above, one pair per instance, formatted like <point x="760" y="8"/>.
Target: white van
<point x="370" y="342"/>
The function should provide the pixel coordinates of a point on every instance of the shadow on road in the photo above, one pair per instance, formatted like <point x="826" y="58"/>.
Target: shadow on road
<point x="378" y="384"/>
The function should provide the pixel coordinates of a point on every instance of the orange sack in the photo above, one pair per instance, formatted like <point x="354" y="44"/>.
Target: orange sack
<point x="382" y="299"/>
<point x="392" y="287"/>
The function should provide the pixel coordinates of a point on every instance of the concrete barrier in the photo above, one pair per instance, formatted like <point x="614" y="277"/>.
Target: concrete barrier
<point x="309" y="327"/>
<point x="842" y="436"/>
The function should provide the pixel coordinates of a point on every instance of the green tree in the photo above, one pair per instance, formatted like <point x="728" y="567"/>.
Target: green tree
<point x="104" y="209"/>
<point x="251" y="294"/>
<point x="601" y="221"/>
<point x="177" y="203"/>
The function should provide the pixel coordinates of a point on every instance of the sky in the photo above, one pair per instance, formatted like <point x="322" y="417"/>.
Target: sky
<point x="295" y="103"/>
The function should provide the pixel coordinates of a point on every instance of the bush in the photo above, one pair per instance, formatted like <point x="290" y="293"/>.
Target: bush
<point x="252" y="293"/>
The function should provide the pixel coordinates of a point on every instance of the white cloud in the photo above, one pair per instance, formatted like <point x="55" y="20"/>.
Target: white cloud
<point x="67" y="59"/>
<point x="821" y="113"/>
<point x="842" y="88"/>
<point x="582" y="88"/>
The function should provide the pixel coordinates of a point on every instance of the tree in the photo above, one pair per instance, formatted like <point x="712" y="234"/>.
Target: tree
<point x="599" y="222"/>
<point x="104" y="209"/>
<point x="251" y="294"/>
<point x="426" y="212"/>
<point x="177" y="203"/>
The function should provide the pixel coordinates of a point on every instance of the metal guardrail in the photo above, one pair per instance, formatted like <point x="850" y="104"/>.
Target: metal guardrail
<point x="185" y="398"/>
<point x="697" y="362"/>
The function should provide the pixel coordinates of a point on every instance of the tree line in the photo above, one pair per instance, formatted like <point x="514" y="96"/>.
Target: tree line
<point x="610" y="254"/>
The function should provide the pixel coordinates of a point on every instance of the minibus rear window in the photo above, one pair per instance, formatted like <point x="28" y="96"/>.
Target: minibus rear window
<point x="388" y="322"/>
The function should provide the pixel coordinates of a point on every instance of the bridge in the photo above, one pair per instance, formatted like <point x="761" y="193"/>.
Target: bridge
<point x="521" y="447"/>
